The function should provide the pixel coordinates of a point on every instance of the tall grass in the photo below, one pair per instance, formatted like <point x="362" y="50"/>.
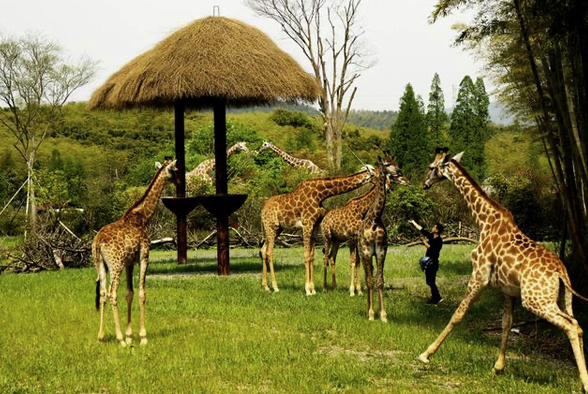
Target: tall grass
<point x="226" y="334"/>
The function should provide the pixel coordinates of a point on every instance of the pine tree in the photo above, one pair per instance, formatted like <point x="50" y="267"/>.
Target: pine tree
<point x="436" y="116"/>
<point x="469" y="125"/>
<point x="408" y="135"/>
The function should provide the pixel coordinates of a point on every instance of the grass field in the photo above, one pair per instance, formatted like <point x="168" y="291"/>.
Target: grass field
<point x="210" y="334"/>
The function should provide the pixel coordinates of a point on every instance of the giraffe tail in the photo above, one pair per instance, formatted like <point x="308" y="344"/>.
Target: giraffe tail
<point x="568" y="284"/>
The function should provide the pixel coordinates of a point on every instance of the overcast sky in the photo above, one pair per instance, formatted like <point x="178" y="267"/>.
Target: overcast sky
<point x="405" y="47"/>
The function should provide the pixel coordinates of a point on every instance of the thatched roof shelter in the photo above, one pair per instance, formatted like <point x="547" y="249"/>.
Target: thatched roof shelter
<point x="213" y="57"/>
<point x="213" y="62"/>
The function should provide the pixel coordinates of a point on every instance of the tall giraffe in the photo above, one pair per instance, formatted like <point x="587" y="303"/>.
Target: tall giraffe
<point x="343" y="223"/>
<point x="293" y="161"/>
<point x="373" y="240"/>
<point x="507" y="259"/>
<point x="120" y="244"/>
<point x="205" y="168"/>
<point x="302" y="208"/>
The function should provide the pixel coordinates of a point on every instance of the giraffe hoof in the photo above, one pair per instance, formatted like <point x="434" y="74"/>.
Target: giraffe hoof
<point x="384" y="319"/>
<point x="423" y="358"/>
<point x="143" y="341"/>
<point x="123" y="343"/>
<point x="267" y="289"/>
<point x="129" y="340"/>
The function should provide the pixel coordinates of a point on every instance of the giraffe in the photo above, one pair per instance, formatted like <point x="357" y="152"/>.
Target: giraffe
<point x="120" y="244"/>
<point x="205" y="168"/>
<point x="302" y="208"/>
<point x="293" y="161"/>
<point x="343" y="224"/>
<point x="507" y="259"/>
<point x="373" y="239"/>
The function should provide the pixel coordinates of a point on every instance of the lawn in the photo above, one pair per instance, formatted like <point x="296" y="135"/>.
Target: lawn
<point x="226" y="334"/>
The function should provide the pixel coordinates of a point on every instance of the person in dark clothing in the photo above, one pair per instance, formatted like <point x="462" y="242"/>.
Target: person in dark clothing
<point x="430" y="263"/>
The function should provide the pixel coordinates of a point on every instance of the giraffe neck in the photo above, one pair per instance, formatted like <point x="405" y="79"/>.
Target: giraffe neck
<point x="147" y="204"/>
<point x="332" y="186"/>
<point x="379" y="201"/>
<point x="287" y="157"/>
<point x="484" y="210"/>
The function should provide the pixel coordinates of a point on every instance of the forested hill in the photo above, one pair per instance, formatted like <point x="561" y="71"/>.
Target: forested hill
<point x="379" y="120"/>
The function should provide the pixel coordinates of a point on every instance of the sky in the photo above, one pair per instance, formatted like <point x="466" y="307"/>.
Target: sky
<point x="404" y="46"/>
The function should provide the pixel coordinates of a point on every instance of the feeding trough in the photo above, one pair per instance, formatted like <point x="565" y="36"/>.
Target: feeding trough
<point x="214" y="62"/>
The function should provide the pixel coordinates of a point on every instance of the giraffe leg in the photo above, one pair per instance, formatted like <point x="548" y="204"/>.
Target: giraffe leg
<point x="129" y="296"/>
<point x="357" y="264"/>
<point x="326" y="259"/>
<point x="506" y="326"/>
<point x="474" y="289"/>
<point x="352" y="268"/>
<point x="568" y="296"/>
<point x="102" y="276"/>
<point x="367" y="265"/>
<point x="142" y="291"/>
<point x="264" y="262"/>
<point x="115" y="278"/>
<point x="380" y="259"/>
<point x="270" y="258"/>
<point x="333" y="258"/>
<point x="308" y="261"/>
<point x="569" y="325"/>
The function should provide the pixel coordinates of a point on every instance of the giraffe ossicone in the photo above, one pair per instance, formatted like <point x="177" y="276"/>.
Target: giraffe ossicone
<point x="508" y="260"/>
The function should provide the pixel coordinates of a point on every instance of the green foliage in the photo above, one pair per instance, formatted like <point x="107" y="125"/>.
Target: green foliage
<point x="533" y="212"/>
<point x="408" y="138"/>
<point x="405" y="203"/>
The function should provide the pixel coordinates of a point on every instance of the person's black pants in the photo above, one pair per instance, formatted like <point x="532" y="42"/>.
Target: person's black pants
<point x="431" y="275"/>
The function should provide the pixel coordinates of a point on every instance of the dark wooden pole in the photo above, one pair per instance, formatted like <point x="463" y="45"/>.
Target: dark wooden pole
<point x="181" y="187"/>
<point x="220" y="156"/>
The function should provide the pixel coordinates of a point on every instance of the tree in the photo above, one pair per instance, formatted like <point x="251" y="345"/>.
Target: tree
<point x="408" y="137"/>
<point x="335" y="55"/>
<point x="469" y="125"/>
<point x="35" y="82"/>
<point x="436" y="116"/>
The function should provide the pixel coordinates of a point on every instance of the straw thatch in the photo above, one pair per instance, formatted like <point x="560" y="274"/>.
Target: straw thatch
<point x="214" y="57"/>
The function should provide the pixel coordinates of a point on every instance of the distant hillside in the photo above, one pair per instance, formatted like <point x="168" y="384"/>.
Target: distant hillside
<point x="379" y="120"/>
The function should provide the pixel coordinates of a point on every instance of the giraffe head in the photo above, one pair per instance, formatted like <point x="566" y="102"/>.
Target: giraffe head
<point x="170" y="170"/>
<point x="266" y="145"/>
<point x="438" y="169"/>
<point x="241" y="146"/>
<point x="393" y="173"/>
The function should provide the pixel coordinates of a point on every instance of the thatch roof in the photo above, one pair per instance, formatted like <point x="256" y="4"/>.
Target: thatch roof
<point x="213" y="57"/>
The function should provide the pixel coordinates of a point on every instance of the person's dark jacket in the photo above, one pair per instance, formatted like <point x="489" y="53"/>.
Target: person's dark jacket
<point x="435" y="245"/>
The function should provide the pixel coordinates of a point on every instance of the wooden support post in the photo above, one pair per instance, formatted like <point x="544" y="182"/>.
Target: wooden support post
<point x="220" y="156"/>
<point x="181" y="187"/>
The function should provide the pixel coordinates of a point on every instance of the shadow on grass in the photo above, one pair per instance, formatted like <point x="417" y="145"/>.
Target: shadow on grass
<point x="209" y="266"/>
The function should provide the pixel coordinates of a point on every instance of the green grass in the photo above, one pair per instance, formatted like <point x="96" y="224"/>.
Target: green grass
<point x="226" y="334"/>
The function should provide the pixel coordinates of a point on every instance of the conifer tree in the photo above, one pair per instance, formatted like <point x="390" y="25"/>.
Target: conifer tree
<point x="469" y="125"/>
<point x="436" y="116"/>
<point x="408" y="136"/>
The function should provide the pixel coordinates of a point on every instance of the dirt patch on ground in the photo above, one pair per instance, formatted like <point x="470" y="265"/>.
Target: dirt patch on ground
<point x="364" y="356"/>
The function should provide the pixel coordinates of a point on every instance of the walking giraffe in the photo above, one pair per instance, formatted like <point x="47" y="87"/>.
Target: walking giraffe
<point x="507" y="259"/>
<point x="293" y="161"/>
<point x="302" y="208"/>
<point x="120" y="244"/>
<point x="205" y="168"/>
<point x="343" y="224"/>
